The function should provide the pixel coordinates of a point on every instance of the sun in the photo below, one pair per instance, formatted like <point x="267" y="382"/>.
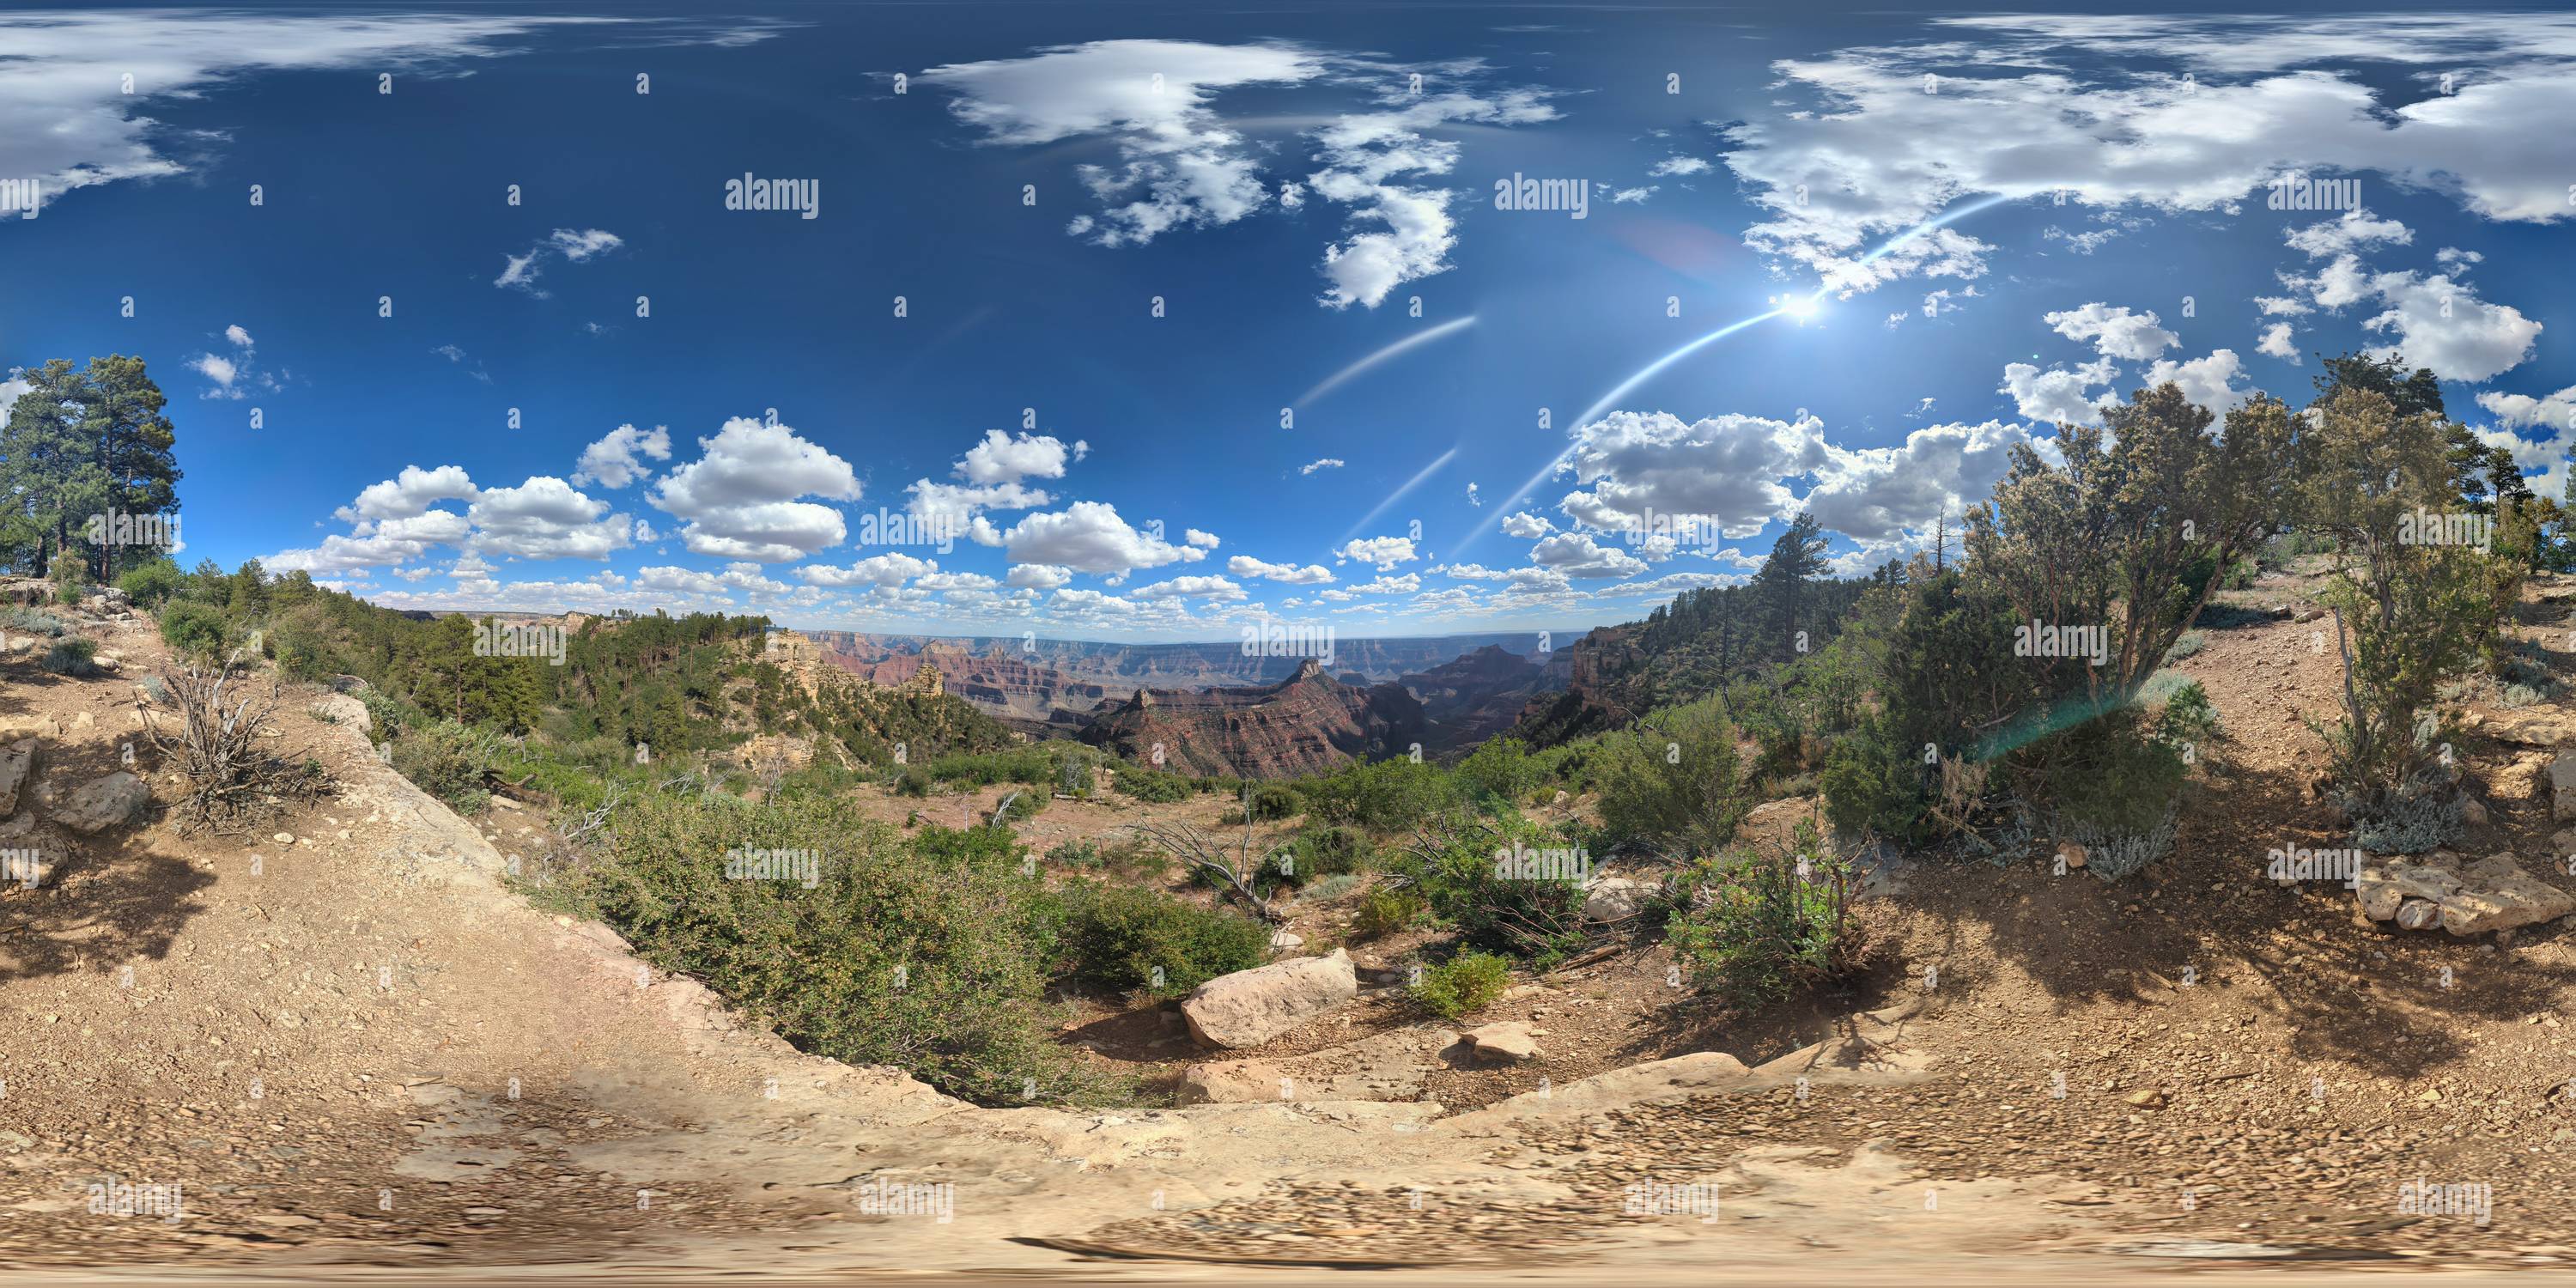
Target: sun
<point x="1801" y="307"/>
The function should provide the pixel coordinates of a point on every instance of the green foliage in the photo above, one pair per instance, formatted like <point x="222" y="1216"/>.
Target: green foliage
<point x="930" y="956"/>
<point x="1127" y="938"/>
<point x="1151" y="785"/>
<point x="1463" y="985"/>
<point x="386" y="714"/>
<point x="1388" y="909"/>
<point x="197" y="631"/>
<point x="1459" y="866"/>
<point x="447" y="760"/>
<point x="1675" y="782"/>
<point x="33" y="621"/>
<point x="1273" y="801"/>
<point x="1390" y="795"/>
<point x="2189" y="645"/>
<point x="73" y="657"/>
<point x="150" y="583"/>
<point x="1500" y="770"/>
<point x="1755" y="929"/>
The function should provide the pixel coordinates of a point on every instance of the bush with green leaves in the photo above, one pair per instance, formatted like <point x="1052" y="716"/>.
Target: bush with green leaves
<point x="1674" y="783"/>
<point x="1387" y="796"/>
<point x="1468" y="870"/>
<point x="1388" y="909"/>
<point x="447" y="760"/>
<point x="72" y="657"/>
<point x="929" y="955"/>
<point x="1463" y="985"/>
<point x="386" y="714"/>
<point x="1499" y="769"/>
<point x="1130" y="939"/>
<point x="1270" y="802"/>
<point x="198" y="631"/>
<point x="151" y="584"/>
<point x="1152" y="785"/>
<point x="34" y="621"/>
<point x="1752" y="929"/>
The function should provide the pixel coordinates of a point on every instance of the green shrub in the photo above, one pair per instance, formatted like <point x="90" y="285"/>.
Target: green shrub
<point x="33" y="621"/>
<point x="930" y="955"/>
<point x="2191" y="643"/>
<point x="1127" y="938"/>
<point x="1674" y="783"/>
<point x="197" y="631"/>
<point x="1756" y="929"/>
<point x="1387" y="910"/>
<point x="1390" y="795"/>
<point x="1463" y="985"/>
<point x="73" y="657"/>
<point x="447" y="760"/>
<point x="1272" y="801"/>
<point x="1019" y="807"/>
<point x="150" y="585"/>
<point x="1500" y="769"/>
<point x="1459" y="869"/>
<point x="1332" y="887"/>
<point x="386" y="714"/>
<point x="1152" y="786"/>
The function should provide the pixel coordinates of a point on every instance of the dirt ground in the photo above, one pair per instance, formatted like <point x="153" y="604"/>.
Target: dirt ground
<point x="362" y="1057"/>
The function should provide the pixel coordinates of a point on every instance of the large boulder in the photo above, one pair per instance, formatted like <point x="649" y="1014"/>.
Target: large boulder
<point x="1250" y="1007"/>
<point x="104" y="803"/>
<point x="15" y="759"/>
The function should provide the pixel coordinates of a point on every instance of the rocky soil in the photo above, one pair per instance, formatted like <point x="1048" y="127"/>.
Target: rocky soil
<point x="350" y="1044"/>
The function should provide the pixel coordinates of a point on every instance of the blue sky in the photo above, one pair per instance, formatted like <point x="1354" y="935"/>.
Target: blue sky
<point x="1939" y="235"/>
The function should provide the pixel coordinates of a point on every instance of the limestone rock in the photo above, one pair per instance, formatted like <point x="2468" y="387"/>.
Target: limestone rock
<point x="2416" y="914"/>
<point x="2498" y="895"/>
<point x="14" y="763"/>
<point x="104" y="803"/>
<point x="1508" y="1042"/>
<point x="2383" y="886"/>
<point x="1231" y="1082"/>
<point x="2562" y="785"/>
<point x="1616" y="898"/>
<point x="1250" y="1007"/>
<point x="343" y="709"/>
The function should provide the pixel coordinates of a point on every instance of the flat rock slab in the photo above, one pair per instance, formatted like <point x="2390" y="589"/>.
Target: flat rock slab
<point x="104" y="803"/>
<point x="1250" y="1007"/>
<point x="2494" y="893"/>
<point x="15" y="760"/>
<point x="1507" y="1042"/>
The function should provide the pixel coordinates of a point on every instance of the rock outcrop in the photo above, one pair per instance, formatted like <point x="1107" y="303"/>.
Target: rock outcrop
<point x="1308" y="723"/>
<point x="1250" y="1007"/>
<point x="15" y="760"/>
